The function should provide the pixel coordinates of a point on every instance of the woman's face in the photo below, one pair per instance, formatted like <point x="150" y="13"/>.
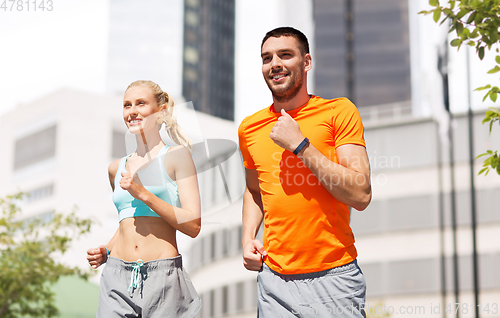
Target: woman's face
<point x="139" y="107"/>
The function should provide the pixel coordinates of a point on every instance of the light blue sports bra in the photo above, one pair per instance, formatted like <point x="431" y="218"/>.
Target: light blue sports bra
<point x="155" y="179"/>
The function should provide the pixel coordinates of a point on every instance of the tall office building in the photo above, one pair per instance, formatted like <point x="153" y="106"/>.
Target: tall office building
<point x="208" y="59"/>
<point x="370" y="36"/>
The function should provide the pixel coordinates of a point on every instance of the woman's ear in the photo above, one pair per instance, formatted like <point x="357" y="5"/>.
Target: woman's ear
<point x="161" y="114"/>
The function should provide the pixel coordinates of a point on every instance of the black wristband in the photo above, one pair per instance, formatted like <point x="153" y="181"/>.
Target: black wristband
<point x="300" y="146"/>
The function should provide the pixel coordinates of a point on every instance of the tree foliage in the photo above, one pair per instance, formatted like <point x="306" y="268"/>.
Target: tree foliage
<point x="29" y="249"/>
<point x="476" y="23"/>
<point x="493" y="159"/>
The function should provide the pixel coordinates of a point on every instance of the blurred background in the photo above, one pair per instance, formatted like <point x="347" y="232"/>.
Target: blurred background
<point x="64" y="71"/>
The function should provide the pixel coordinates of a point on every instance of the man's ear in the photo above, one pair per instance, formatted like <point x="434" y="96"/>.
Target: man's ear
<point x="307" y="62"/>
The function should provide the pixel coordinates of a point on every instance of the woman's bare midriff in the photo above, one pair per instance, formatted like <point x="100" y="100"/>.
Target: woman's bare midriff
<point x="146" y="238"/>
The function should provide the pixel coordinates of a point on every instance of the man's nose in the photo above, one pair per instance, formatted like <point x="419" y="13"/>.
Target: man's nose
<point x="276" y="63"/>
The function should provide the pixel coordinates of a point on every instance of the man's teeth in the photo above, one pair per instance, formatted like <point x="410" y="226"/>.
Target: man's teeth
<point x="278" y="76"/>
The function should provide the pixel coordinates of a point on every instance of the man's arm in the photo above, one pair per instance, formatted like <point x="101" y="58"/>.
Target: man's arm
<point x="347" y="181"/>
<point x="253" y="250"/>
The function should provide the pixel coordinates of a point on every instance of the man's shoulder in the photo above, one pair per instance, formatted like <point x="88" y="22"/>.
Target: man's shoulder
<point x="337" y="103"/>
<point x="339" y="107"/>
<point x="255" y="117"/>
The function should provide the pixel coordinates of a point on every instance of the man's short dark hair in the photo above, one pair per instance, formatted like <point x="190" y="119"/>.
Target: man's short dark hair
<point x="289" y="31"/>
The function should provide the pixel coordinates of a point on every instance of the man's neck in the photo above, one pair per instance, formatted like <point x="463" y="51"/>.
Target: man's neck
<point x="299" y="100"/>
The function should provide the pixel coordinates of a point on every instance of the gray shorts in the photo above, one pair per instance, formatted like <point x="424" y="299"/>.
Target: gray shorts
<point x="337" y="292"/>
<point x="160" y="288"/>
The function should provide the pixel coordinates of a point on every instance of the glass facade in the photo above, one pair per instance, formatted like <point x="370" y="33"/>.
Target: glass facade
<point x="381" y="51"/>
<point x="208" y="57"/>
<point x="35" y="148"/>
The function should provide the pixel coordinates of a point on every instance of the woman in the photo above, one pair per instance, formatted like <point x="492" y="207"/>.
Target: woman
<point x="155" y="190"/>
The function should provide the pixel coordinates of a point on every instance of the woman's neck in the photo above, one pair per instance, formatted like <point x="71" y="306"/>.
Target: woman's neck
<point x="147" y="142"/>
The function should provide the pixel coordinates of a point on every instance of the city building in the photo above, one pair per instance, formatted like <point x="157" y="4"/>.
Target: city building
<point x="370" y="36"/>
<point x="398" y="235"/>
<point x="208" y="56"/>
<point x="57" y="148"/>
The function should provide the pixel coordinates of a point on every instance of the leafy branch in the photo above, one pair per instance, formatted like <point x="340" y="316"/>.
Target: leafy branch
<point x="476" y="23"/>
<point x="493" y="161"/>
<point x="29" y="249"/>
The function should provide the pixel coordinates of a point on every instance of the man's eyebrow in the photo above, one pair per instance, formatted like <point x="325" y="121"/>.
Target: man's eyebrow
<point x="279" y="51"/>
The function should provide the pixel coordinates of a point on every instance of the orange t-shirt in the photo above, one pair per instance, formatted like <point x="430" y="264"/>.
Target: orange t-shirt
<point x="305" y="228"/>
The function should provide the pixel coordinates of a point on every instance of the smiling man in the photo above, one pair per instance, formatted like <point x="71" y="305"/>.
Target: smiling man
<point x="306" y="163"/>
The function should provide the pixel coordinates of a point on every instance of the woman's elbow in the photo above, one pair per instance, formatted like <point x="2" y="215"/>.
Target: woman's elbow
<point x="195" y="228"/>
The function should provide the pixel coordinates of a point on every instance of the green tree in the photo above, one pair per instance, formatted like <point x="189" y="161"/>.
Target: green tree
<point x="476" y="23"/>
<point x="29" y="249"/>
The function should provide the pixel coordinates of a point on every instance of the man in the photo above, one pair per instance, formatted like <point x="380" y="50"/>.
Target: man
<point x="302" y="188"/>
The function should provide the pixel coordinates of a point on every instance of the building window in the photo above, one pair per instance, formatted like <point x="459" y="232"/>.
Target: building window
<point x="190" y="74"/>
<point x="240" y="237"/>
<point x="225" y="300"/>
<point x="35" y="148"/>
<point x="193" y="3"/>
<point x="39" y="193"/>
<point x="240" y="296"/>
<point x="212" y="246"/>
<point x="44" y="218"/>
<point x="212" y="303"/>
<point x="226" y="234"/>
<point x="192" y="18"/>
<point x="191" y="55"/>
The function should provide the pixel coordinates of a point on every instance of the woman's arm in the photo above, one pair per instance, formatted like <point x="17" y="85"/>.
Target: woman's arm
<point x="185" y="219"/>
<point x="98" y="256"/>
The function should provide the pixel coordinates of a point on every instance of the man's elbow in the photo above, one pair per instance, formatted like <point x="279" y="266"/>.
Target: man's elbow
<point x="363" y="201"/>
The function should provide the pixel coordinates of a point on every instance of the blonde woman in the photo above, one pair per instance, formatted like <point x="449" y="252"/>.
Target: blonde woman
<point x="155" y="190"/>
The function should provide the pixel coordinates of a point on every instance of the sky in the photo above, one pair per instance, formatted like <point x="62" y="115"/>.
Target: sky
<point x="43" y="51"/>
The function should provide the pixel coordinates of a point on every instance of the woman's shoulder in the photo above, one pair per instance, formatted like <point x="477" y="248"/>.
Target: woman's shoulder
<point x="113" y="167"/>
<point x="178" y="155"/>
<point x="179" y="149"/>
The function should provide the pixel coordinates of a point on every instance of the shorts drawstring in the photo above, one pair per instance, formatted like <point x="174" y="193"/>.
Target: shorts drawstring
<point x="134" y="278"/>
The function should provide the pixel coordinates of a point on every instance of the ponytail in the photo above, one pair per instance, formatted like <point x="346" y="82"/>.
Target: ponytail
<point x="173" y="129"/>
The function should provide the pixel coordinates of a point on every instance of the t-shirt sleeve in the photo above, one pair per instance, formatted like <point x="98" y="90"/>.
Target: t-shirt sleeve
<point x="348" y="127"/>
<point x="247" y="158"/>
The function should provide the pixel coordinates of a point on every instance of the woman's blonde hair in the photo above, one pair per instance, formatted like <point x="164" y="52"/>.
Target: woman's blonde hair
<point x="166" y="116"/>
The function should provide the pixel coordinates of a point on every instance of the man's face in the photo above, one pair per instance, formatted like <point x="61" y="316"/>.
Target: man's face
<point x="283" y="67"/>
